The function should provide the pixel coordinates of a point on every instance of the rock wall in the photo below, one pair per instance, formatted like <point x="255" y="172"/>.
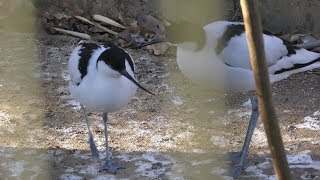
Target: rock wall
<point x="277" y="16"/>
<point x="291" y="15"/>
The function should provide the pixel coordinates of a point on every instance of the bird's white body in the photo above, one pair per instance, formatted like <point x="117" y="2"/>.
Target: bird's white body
<point x="223" y="64"/>
<point x="230" y="70"/>
<point x="101" y="89"/>
<point x="102" y="79"/>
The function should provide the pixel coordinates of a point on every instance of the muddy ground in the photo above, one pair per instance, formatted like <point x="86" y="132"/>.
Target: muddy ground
<point x="176" y="134"/>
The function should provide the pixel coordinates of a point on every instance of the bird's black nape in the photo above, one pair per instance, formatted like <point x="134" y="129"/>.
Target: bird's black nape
<point x="85" y="54"/>
<point x="115" y="58"/>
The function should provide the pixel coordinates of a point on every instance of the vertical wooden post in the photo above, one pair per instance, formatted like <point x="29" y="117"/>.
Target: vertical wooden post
<point x="258" y="63"/>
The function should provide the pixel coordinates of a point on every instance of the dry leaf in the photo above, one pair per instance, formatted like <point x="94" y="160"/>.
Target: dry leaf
<point x="129" y="22"/>
<point x="126" y="35"/>
<point x="158" y="49"/>
<point x="165" y="23"/>
<point x="71" y="7"/>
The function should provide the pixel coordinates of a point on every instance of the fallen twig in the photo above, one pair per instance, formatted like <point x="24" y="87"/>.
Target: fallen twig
<point x="309" y="45"/>
<point x="235" y="14"/>
<point x="84" y="19"/>
<point x="77" y="34"/>
<point x="105" y="29"/>
<point x="97" y="25"/>
<point x="104" y="19"/>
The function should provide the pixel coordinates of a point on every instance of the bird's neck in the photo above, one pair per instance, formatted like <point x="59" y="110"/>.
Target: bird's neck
<point x="194" y="44"/>
<point x="103" y="70"/>
<point x="189" y="46"/>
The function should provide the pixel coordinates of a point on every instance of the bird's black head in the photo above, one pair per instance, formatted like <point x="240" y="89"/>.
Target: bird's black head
<point x="179" y="33"/>
<point x="116" y="58"/>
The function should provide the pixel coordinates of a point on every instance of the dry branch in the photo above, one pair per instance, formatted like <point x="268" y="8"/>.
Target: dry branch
<point x="105" y="29"/>
<point x="96" y="24"/>
<point x="309" y="45"/>
<point x="84" y="20"/>
<point x="73" y="33"/>
<point x="104" y="19"/>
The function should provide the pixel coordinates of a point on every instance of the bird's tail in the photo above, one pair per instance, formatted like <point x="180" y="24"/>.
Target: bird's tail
<point x="302" y="60"/>
<point x="311" y="65"/>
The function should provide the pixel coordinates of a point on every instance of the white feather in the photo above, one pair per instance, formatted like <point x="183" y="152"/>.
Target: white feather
<point x="211" y="70"/>
<point x="102" y="89"/>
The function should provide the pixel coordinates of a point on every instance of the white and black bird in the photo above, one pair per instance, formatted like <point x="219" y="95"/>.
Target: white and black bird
<point x="217" y="56"/>
<point x="102" y="79"/>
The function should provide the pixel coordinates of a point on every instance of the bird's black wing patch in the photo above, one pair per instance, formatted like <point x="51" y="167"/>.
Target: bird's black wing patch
<point x="85" y="54"/>
<point x="292" y="50"/>
<point x="115" y="58"/>
<point x="231" y="31"/>
<point x="296" y="66"/>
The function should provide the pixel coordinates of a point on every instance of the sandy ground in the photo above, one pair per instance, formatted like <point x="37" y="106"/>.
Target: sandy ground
<point x="176" y="134"/>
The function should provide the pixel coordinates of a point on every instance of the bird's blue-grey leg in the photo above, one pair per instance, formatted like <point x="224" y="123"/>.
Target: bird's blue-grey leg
<point x="93" y="147"/>
<point x="109" y="165"/>
<point x="239" y="158"/>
